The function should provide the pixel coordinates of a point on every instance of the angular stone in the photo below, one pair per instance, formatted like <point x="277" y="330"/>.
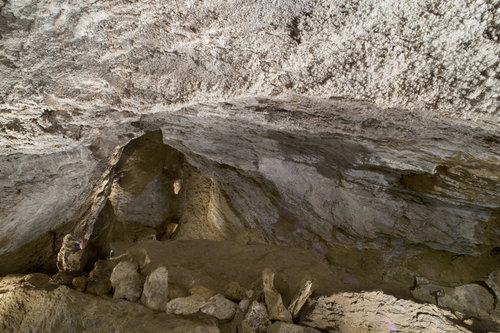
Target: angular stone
<point x="281" y="327"/>
<point x="126" y="281"/>
<point x="234" y="292"/>
<point x="187" y="305"/>
<point x="274" y="302"/>
<point x="300" y="299"/>
<point x="155" y="291"/>
<point x="256" y="319"/>
<point x="98" y="282"/>
<point x="79" y="283"/>
<point x="219" y="307"/>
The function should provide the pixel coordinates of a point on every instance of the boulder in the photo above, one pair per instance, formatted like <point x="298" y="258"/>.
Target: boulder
<point x="281" y="327"/>
<point x="300" y="299"/>
<point x="219" y="307"/>
<point x="256" y="319"/>
<point x="274" y="302"/>
<point x="187" y="305"/>
<point x="376" y="312"/>
<point x="79" y="283"/>
<point x="126" y="281"/>
<point x="155" y="291"/>
<point x="99" y="278"/>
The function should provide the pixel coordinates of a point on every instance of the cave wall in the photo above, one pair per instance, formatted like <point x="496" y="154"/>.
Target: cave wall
<point x="379" y="129"/>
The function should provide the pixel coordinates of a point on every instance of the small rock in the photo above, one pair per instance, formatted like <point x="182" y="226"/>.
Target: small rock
<point x="63" y="278"/>
<point x="187" y="305"/>
<point x="98" y="282"/>
<point x="201" y="290"/>
<point x="244" y="304"/>
<point x="126" y="281"/>
<point x="274" y="302"/>
<point x="256" y="320"/>
<point x="79" y="283"/>
<point x="493" y="282"/>
<point x="219" y="307"/>
<point x="155" y="292"/>
<point x="234" y="292"/>
<point x="300" y="299"/>
<point x="280" y="327"/>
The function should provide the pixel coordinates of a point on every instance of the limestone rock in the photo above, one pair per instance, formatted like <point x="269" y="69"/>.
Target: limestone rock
<point x="274" y="302"/>
<point x="155" y="291"/>
<point x="256" y="319"/>
<point x="280" y="327"/>
<point x="72" y="255"/>
<point x="377" y="312"/>
<point x="126" y="281"/>
<point x="472" y="299"/>
<point x="300" y="299"/>
<point x="28" y="309"/>
<point x="99" y="278"/>
<point x="234" y="291"/>
<point x="493" y="282"/>
<point x="79" y="283"/>
<point x="187" y="305"/>
<point x="219" y="307"/>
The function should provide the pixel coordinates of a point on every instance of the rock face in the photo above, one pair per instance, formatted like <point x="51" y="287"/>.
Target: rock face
<point x="367" y="132"/>
<point x="155" y="292"/>
<point x="375" y="311"/>
<point x="24" y="308"/>
<point x="126" y="281"/>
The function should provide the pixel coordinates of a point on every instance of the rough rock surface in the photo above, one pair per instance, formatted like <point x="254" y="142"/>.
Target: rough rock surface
<point x="155" y="290"/>
<point x="378" y="312"/>
<point x="367" y="131"/>
<point x="35" y="307"/>
<point x="99" y="278"/>
<point x="79" y="283"/>
<point x="187" y="305"/>
<point x="256" y="319"/>
<point x="219" y="307"/>
<point x="274" y="302"/>
<point x="468" y="298"/>
<point x="300" y="299"/>
<point x="126" y="281"/>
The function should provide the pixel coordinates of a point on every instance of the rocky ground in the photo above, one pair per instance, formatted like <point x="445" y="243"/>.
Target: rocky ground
<point x="202" y="286"/>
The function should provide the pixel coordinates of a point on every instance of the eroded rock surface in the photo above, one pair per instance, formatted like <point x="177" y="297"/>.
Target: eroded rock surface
<point x="24" y="308"/>
<point x="126" y="281"/>
<point x="375" y="311"/>
<point x="155" y="291"/>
